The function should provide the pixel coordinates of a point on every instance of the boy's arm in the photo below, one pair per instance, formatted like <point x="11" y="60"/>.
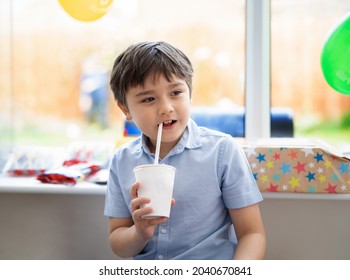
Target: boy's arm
<point x="250" y="232"/>
<point x="125" y="240"/>
<point x="123" y="237"/>
<point x="128" y="236"/>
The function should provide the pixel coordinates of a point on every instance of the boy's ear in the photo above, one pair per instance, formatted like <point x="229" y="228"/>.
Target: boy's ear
<point x="125" y="111"/>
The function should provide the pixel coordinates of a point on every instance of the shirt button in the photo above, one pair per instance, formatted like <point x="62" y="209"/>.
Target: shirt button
<point x="163" y="230"/>
<point x="160" y="257"/>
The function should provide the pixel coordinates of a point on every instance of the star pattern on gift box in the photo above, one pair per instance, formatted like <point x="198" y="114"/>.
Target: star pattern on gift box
<point x="300" y="167"/>
<point x="293" y="169"/>
<point x="307" y="151"/>
<point x="293" y="154"/>
<point x="343" y="168"/>
<point x="312" y="189"/>
<point x="310" y="176"/>
<point x="330" y="188"/>
<point x="276" y="156"/>
<point x="261" y="157"/>
<point x="294" y="182"/>
<point x="250" y="151"/>
<point x="318" y="157"/>
<point x="322" y="178"/>
<point x="273" y="188"/>
<point x="285" y="167"/>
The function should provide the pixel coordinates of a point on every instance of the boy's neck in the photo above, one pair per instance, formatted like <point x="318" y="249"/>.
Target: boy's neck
<point x="164" y="149"/>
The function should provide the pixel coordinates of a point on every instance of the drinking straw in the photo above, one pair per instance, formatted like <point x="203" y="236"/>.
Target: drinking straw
<point x="159" y="138"/>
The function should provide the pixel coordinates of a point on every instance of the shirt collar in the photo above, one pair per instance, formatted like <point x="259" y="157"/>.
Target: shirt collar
<point x="192" y="135"/>
<point x="190" y="140"/>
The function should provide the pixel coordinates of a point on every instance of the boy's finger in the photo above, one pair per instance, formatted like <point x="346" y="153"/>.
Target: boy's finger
<point x="137" y="202"/>
<point x="133" y="190"/>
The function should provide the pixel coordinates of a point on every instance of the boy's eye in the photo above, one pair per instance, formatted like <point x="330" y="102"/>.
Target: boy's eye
<point x="175" y="93"/>
<point x="148" y="99"/>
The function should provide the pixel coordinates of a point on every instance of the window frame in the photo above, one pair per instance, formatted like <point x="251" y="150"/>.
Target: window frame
<point x="257" y="78"/>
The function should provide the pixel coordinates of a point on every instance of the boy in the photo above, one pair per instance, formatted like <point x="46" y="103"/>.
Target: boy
<point x="214" y="187"/>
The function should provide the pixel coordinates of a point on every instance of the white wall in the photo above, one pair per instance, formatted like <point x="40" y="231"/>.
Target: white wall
<point x="66" y="226"/>
<point x="307" y="229"/>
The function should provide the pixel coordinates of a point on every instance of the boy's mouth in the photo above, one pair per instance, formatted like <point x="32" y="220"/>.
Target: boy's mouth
<point x="169" y="123"/>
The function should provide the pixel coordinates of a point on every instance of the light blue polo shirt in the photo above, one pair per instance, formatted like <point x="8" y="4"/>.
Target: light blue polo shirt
<point x="212" y="174"/>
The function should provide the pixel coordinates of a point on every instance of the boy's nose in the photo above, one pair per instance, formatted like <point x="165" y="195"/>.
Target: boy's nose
<point x="165" y="107"/>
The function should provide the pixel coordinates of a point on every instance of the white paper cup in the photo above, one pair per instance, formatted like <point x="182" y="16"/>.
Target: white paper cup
<point x="157" y="183"/>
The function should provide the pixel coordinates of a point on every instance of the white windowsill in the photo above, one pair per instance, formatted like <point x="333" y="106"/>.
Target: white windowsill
<point x="31" y="185"/>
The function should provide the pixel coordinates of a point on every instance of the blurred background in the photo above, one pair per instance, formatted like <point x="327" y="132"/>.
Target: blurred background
<point x="54" y="94"/>
<point x="55" y="69"/>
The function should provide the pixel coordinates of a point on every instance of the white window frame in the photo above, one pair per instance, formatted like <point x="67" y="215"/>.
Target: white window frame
<point x="257" y="78"/>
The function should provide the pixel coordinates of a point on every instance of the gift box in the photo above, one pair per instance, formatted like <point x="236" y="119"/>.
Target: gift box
<point x="298" y="166"/>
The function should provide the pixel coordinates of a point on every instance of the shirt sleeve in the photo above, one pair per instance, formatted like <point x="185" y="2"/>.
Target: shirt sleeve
<point x="239" y="188"/>
<point x="115" y="201"/>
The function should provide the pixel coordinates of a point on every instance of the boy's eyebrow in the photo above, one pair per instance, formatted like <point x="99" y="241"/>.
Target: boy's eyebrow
<point x="142" y="93"/>
<point x="172" y="85"/>
<point x="175" y="84"/>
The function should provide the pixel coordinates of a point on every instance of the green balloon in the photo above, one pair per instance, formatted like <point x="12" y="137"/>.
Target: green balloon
<point x="335" y="57"/>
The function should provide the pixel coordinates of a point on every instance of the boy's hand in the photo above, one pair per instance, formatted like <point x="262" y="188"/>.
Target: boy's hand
<point x="144" y="227"/>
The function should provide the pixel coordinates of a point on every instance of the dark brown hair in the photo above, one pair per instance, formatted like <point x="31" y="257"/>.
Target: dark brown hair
<point x="132" y="67"/>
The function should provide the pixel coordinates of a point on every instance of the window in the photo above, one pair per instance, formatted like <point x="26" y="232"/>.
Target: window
<point x="50" y="64"/>
<point x="298" y="32"/>
<point x="49" y="58"/>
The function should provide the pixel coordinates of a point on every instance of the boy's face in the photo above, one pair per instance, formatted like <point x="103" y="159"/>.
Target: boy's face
<point x="159" y="101"/>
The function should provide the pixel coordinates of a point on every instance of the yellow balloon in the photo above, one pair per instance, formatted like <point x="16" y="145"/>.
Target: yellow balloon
<point x="86" y="10"/>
